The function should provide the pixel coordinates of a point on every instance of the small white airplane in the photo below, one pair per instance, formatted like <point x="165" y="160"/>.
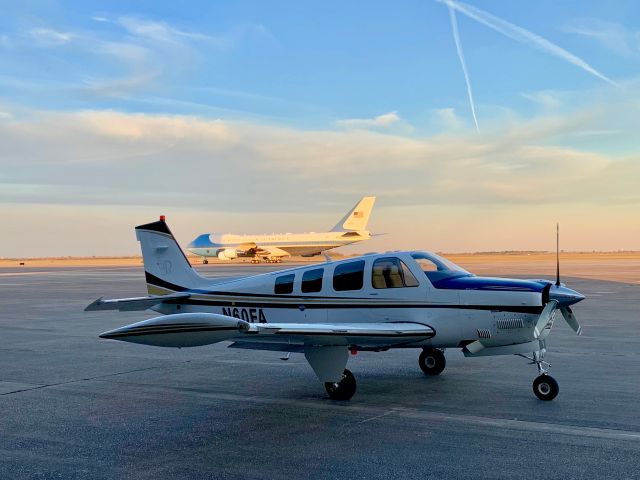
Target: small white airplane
<point x="370" y="303"/>
<point x="271" y="248"/>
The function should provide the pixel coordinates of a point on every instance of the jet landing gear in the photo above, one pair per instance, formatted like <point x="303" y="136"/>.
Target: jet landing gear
<point x="344" y="389"/>
<point x="432" y="361"/>
<point x="545" y="386"/>
<point x="205" y="261"/>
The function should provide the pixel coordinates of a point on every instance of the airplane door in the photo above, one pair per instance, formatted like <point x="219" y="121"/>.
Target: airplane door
<point x="312" y="284"/>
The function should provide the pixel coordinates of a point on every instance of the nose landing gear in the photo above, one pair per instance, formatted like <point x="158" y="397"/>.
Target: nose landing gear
<point x="545" y="387"/>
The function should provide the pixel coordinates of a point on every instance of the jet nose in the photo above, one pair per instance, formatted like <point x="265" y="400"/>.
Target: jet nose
<point x="565" y="296"/>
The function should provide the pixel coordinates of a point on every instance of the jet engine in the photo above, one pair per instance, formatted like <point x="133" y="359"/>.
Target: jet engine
<point x="227" y="254"/>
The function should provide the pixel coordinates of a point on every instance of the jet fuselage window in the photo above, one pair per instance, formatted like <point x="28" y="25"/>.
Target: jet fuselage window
<point x="312" y="280"/>
<point x="391" y="272"/>
<point x="284" y="284"/>
<point x="349" y="276"/>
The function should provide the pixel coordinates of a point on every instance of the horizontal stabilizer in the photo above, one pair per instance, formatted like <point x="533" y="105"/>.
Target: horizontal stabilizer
<point x="134" y="303"/>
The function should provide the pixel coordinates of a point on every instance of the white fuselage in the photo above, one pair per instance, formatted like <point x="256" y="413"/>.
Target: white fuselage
<point x="274" y="245"/>
<point x="497" y="317"/>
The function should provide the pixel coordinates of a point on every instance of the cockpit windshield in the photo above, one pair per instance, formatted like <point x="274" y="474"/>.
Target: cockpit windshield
<point x="437" y="268"/>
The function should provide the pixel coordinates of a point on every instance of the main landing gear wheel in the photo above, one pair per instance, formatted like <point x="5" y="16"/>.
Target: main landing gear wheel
<point x="205" y="261"/>
<point x="545" y="387"/>
<point x="344" y="389"/>
<point x="432" y="361"/>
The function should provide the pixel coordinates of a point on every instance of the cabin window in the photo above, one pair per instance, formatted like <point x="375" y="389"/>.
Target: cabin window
<point x="348" y="276"/>
<point x="284" y="284"/>
<point x="312" y="280"/>
<point x="391" y="272"/>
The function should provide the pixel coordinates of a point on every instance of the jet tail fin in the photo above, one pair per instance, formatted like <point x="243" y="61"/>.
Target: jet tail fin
<point x="358" y="216"/>
<point x="166" y="267"/>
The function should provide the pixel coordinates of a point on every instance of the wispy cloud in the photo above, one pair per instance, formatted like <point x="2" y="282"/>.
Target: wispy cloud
<point x="163" y="32"/>
<point x="158" y="31"/>
<point x="614" y="36"/>
<point x="380" y="121"/>
<point x="523" y="35"/>
<point x="456" y="38"/>
<point x="447" y="118"/>
<point x="546" y="98"/>
<point x="50" y="37"/>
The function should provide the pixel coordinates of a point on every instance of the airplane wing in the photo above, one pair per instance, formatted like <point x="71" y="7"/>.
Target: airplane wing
<point x="317" y="334"/>
<point x="324" y="344"/>
<point x="134" y="303"/>
<point x="281" y="337"/>
<point x="343" y="333"/>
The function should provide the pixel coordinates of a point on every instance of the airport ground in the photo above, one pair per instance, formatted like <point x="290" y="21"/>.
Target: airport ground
<point x="75" y="406"/>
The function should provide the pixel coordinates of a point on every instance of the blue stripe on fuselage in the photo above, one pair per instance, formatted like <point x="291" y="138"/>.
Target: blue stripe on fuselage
<point x="489" y="283"/>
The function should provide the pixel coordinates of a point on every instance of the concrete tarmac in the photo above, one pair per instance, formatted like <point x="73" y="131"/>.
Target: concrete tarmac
<point x="74" y="406"/>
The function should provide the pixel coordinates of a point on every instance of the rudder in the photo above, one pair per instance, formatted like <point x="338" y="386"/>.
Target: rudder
<point x="166" y="267"/>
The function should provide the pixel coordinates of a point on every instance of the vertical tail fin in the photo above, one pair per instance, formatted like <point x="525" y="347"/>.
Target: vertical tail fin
<point x="166" y="267"/>
<point x="358" y="217"/>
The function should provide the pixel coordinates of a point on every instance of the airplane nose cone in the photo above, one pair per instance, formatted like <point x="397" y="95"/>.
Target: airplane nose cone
<point x="565" y="296"/>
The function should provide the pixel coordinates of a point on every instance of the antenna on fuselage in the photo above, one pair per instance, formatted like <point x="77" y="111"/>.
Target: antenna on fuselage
<point x="557" y="254"/>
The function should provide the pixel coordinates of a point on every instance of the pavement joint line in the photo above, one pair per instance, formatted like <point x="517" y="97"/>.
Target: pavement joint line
<point x="98" y="377"/>
<point x="377" y="417"/>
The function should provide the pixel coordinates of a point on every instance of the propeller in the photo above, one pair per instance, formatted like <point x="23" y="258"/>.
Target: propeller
<point x="545" y="317"/>
<point x="561" y="302"/>
<point x="571" y="319"/>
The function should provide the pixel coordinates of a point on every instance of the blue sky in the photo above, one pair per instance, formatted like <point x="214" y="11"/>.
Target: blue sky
<point x="348" y="98"/>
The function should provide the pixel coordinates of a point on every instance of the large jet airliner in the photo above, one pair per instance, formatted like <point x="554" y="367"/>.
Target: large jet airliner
<point x="271" y="248"/>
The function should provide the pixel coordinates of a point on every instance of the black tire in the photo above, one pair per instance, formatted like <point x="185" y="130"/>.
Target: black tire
<point x="344" y="389"/>
<point x="205" y="261"/>
<point x="545" y="387"/>
<point x="432" y="361"/>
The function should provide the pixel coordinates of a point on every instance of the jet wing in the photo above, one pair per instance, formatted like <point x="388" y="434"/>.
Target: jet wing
<point x="134" y="303"/>
<point x="272" y="251"/>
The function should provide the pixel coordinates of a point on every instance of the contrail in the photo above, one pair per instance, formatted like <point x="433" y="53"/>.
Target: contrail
<point x="524" y="36"/>
<point x="456" y="38"/>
